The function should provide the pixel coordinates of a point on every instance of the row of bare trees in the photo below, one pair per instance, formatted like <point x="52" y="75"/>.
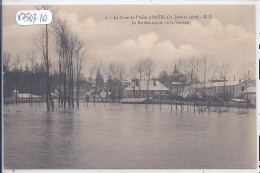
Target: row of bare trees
<point x="143" y="69"/>
<point x="114" y="73"/>
<point x="70" y="56"/>
<point x="202" y="70"/>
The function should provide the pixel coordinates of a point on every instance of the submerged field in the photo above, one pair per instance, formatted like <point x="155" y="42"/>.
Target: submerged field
<point x="127" y="136"/>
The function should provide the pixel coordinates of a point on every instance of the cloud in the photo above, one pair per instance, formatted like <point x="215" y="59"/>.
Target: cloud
<point x="111" y="40"/>
<point x="19" y="39"/>
<point x="145" y="45"/>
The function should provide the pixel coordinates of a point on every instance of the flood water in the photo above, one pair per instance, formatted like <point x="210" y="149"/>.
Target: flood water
<point x="127" y="136"/>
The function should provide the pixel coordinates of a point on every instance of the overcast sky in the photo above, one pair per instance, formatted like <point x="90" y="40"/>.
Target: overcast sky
<point x="229" y="36"/>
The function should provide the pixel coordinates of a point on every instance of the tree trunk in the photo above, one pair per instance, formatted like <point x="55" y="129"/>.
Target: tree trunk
<point x="64" y="90"/>
<point x="72" y="82"/>
<point x="114" y="90"/>
<point x="47" y="72"/>
<point x="77" y="96"/>
<point x="59" y="80"/>
<point x="77" y="90"/>
<point x="139" y="83"/>
<point x="31" y="88"/>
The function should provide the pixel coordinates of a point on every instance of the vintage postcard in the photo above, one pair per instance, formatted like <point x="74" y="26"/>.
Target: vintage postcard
<point x="129" y="86"/>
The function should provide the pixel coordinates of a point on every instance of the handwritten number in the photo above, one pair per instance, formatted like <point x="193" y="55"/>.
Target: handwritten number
<point x="19" y="17"/>
<point x="34" y="17"/>
<point x="29" y="17"/>
<point x="24" y="17"/>
<point x="44" y="18"/>
<point x="41" y="18"/>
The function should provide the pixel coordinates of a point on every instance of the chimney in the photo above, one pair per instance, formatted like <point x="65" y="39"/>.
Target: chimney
<point x="249" y="74"/>
<point x="154" y="82"/>
<point x="137" y="82"/>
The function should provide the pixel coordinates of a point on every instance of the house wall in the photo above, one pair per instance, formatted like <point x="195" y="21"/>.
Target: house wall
<point x="143" y="94"/>
<point x="242" y="87"/>
<point x="235" y="90"/>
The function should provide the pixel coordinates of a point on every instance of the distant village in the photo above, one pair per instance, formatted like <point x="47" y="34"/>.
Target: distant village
<point x="166" y="89"/>
<point x="160" y="90"/>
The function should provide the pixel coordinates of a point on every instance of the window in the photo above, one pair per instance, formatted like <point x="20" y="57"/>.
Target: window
<point x="152" y="92"/>
<point x="233" y="88"/>
<point x="242" y="88"/>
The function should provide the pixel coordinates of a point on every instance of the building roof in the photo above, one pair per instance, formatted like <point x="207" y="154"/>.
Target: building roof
<point x="222" y="83"/>
<point x="26" y="95"/>
<point x="143" y="86"/>
<point x="133" y="100"/>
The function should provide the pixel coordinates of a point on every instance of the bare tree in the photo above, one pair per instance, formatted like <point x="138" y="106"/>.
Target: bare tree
<point x="79" y="60"/>
<point x="196" y="73"/>
<point x="18" y="61"/>
<point x="116" y="72"/>
<point x="17" y="65"/>
<point x="139" y="67"/>
<point x="190" y="75"/>
<point x="72" y="44"/>
<point x="121" y="73"/>
<point x="207" y="64"/>
<point x="244" y="73"/>
<point x="98" y="69"/>
<point x="6" y="68"/>
<point x="214" y="70"/>
<point x="32" y="59"/>
<point x="59" y="52"/>
<point x="112" y="72"/>
<point x="183" y="68"/>
<point x="133" y="75"/>
<point x="42" y="44"/>
<point x="62" y="33"/>
<point x="223" y="73"/>
<point x="149" y="68"/>
<point x="6" y="61"/>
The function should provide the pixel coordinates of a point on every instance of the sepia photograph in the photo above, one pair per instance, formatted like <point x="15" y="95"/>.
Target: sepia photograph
<point x="129" y="87"/>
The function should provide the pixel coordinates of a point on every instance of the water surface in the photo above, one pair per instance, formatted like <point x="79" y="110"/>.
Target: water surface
<point x="127" y="136"/>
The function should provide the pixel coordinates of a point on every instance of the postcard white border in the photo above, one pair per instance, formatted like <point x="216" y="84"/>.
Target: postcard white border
<point x="153" y="2"/>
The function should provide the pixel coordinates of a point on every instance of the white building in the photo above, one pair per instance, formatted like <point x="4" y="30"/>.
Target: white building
<point x="234" y="88"/>
<point x="250" y="94"/>
<point x="154" y="88"/>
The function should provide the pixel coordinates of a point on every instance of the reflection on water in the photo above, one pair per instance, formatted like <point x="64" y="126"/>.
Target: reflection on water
<point x="127" y="136"/>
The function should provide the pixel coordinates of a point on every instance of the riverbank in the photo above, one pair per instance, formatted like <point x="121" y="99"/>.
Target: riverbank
<point x="170" y="102"/>
<point x="189" y="103"/>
